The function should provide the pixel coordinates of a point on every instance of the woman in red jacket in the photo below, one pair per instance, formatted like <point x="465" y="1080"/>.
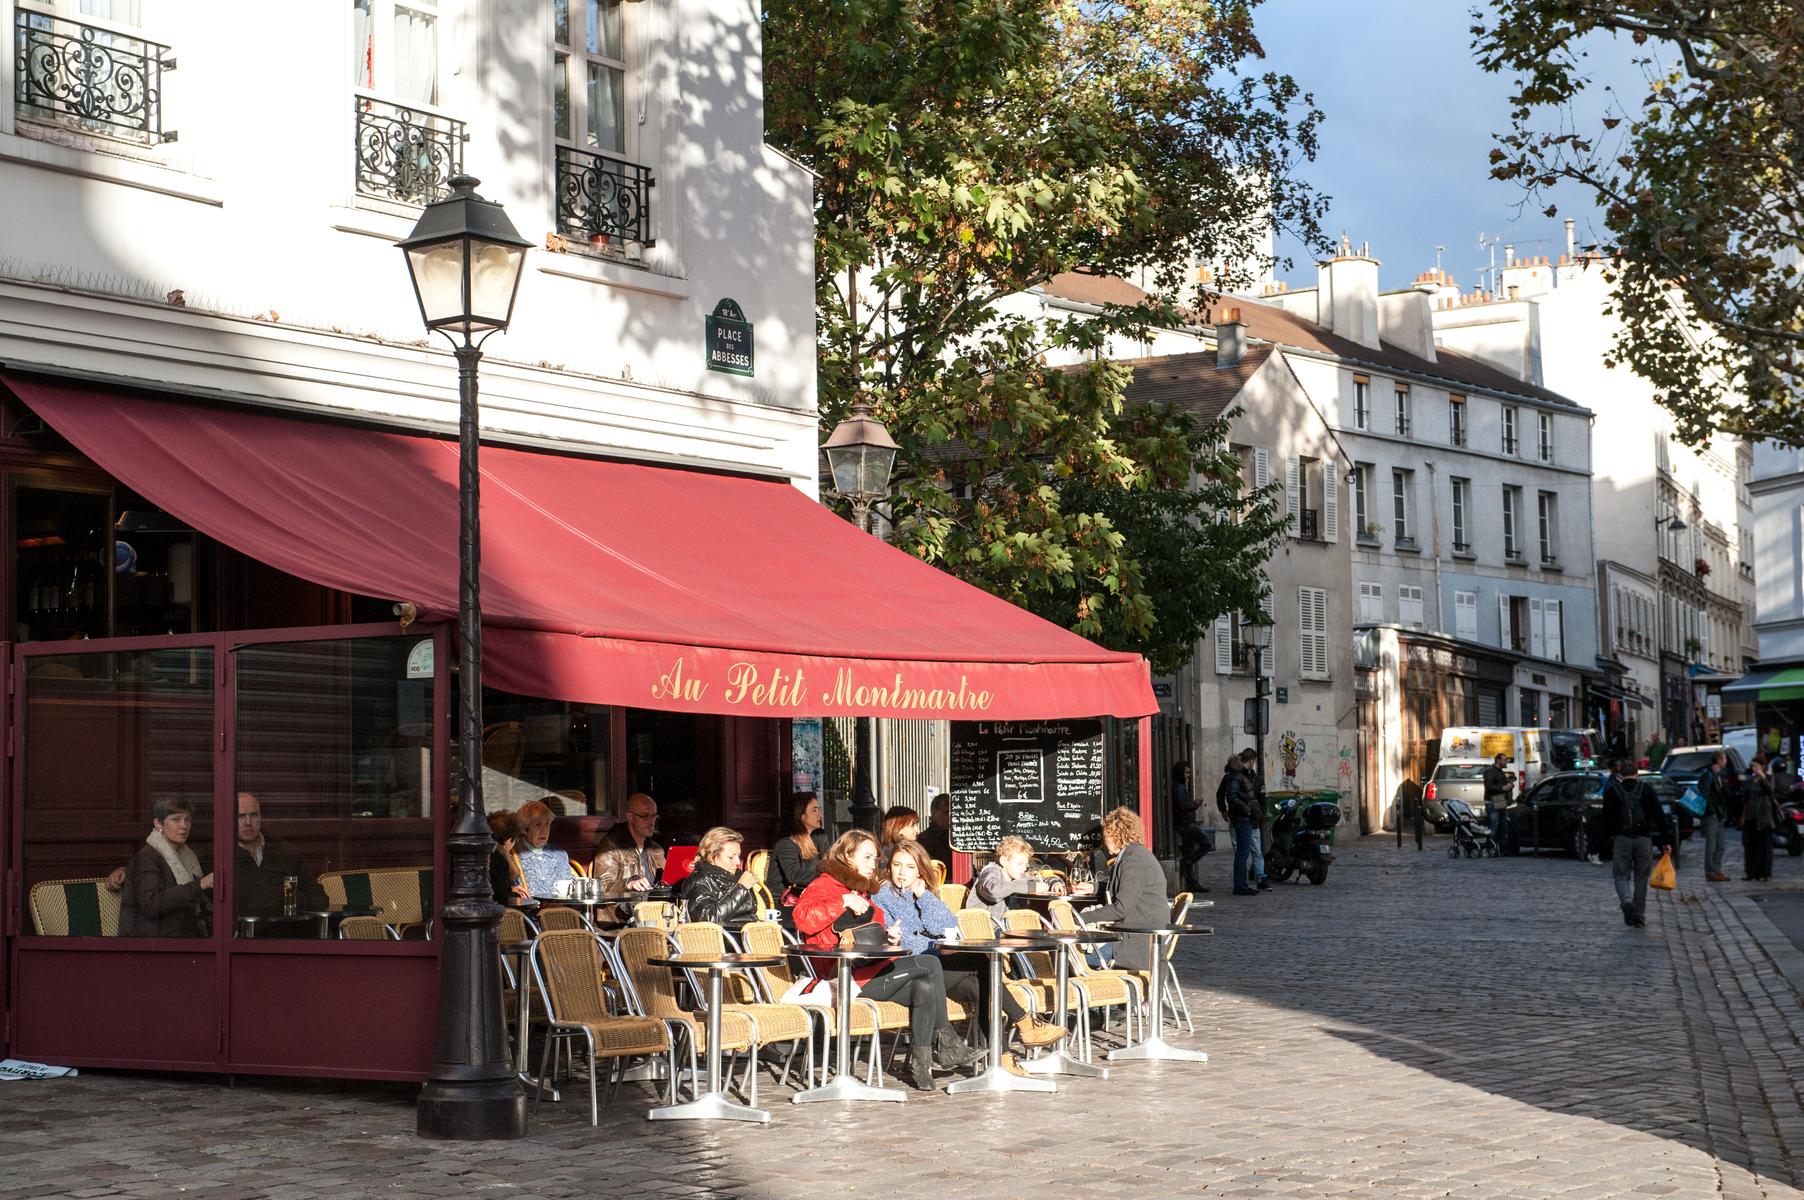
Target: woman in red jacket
<point x="839" y="899"/>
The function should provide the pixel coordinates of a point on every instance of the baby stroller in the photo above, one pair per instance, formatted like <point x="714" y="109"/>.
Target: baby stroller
<point x="1470" y="835"/>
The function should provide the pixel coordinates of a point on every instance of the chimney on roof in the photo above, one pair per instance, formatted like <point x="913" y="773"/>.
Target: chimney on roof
<point x="1509" y="254"/>
<point x="1230" y="337"/>
<point x="1571" y="245"/>
<point x="1347" y="295"/>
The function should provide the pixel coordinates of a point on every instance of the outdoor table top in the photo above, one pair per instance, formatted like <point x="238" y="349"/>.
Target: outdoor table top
<point x="1172" y="930"/>
<point x="338" y="912"/>
<point x="1013" y="943"/>
<point x="854" y="955"/>
<point x="1079" y="936"/>
<point x="703" y="961"/>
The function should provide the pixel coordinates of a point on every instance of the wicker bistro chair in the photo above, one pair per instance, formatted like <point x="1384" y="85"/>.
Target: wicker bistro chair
<point x="939" y="873"/>
<point x="759" y="866"/>
<point x="976" y="925"/>
<point x="952" y="895"/>
<point x="651" y="992"/>
<point x="402" y="896"/>
<point x="655" y="914"/>
<point x="1095" y="987"/>
<point x="74" y="908"/>
<point x="367" y="929"/>
<point x="776" y="1023"/>
<point x="557" y="917"/>
<point x="568" y="963"/>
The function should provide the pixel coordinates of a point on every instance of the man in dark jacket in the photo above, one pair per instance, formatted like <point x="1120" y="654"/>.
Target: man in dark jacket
<point x="1714" y="788"/>
<point x="263" y="863"/>
<point x="1497" y="797"/>
<point x="1634" y="825"/>
<point x="1192" y="837"/>
<point x="1249" y="766"/>
<point x="1238" y="797"/>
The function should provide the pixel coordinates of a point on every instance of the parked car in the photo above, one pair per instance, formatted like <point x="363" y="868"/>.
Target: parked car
<point x="1743" y="740"/>
<point x="1576" y="749"/>
<point x="1566" y="812"/>
<point x="1529" y="750"/>
<point x="1685" y="763"/>
<point x="1454" y="780"/>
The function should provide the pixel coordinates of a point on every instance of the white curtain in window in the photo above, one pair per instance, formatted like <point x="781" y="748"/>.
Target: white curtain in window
<point x="363" y="44"/>
<point x="606" y="100"/>
<point x="121" y="12"/>
<point x="416" y="56"/>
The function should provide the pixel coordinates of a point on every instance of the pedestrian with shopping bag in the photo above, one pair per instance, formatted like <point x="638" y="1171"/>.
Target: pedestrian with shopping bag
<point x="1713" y="786"/>
<point x="1634" y="826"/>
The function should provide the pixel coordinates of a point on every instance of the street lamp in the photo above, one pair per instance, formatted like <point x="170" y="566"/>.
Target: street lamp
<point x="860" y="456"/>
<point x="1671" y="524"/>
<point x="1256" y="634"/>
<point x="465" y="259"/>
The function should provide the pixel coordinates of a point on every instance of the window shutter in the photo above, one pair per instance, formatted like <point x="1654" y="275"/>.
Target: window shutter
<point x="1312" y="641"/>
<point x="1262" y="468"/>
<point x="1224" y="647"/>
<point x="1556" y="636"/>
<point x="1465" y="615"/>
<point x="1330" y="501"/>
<point x="1537" y="643"/>
<point x="1293" y="488"/>
<point x="1503" y="620"/>
<point x="1270" y="611"/>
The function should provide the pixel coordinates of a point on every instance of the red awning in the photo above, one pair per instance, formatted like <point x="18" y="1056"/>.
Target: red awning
<point x="606" y="582"/>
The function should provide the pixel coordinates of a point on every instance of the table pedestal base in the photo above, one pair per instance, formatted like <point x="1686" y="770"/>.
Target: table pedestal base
<point x="1061" y="1063"/>
<point x="711" y="1107"/>
<point x="1156" y="1048"/>
<point x="997" y="1079"/>
<point x="847" y="1087"/>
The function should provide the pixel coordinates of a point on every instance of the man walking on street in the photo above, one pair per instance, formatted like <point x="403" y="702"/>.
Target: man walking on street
<point x="1194" y="839"/>
<point x="1715" y="789"/>
<point x="1634" y="824"/>
<point x="1656" y="752"/>
<point x="1237" y="798"/>
<point x="1497" y="797"/>
<point x="1249" y="766"/>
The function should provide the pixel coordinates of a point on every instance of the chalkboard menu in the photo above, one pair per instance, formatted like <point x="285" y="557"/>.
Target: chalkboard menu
<point x="1041" y="780"/>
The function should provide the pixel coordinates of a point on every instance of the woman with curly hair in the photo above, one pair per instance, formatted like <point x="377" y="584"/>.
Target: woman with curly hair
<point x="1135" y="891"/>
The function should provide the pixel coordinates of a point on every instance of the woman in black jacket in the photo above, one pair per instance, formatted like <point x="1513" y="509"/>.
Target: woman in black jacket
<point x="717" y="889"/>
<point x="1759" y="814"/>
<point x="1135" y="892"/>
<point x="796" y="859"/>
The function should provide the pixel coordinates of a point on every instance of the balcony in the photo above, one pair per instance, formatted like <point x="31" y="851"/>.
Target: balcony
<point x="1549" y="562"/>
<point x="405" y="154"/>
<point x="1309" y="525"/>
<point x="1512" y="554"/>
<point x="91" y="78"/>
<point x="1509" y="443"/>
<point x="603" y="200"/>
<point x="1462" y="547"/>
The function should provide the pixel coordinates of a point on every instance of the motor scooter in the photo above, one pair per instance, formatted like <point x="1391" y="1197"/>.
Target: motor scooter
<point x="1790" y="830"/>
<point x="1302" y="838"/>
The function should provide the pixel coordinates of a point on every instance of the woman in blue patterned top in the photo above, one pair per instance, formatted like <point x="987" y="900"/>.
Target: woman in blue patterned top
<point x="541" y="866"/>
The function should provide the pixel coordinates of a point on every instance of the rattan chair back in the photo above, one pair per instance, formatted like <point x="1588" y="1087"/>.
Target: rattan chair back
<point x="655" y="914"/>
<point x="975" y="925"/>
<point x="766" y="938"/>
<point x="571" y="968"/>
<point x="514" y="927"/>
<point x="74" y="908"/>
<point x="553" y="918"/>
<point x="654" y="986"/>
<point x="1061" y="914"/>
<point x="365" y="929"/>
<point x="952" y="895"/>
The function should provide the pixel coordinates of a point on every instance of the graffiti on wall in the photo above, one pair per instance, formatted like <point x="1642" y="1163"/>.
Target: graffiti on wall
<point x="1291" y="752"/>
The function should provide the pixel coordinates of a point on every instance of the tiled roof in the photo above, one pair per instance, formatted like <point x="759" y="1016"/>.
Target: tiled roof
<point x="1192" y="382"/>
<point x="1272" y="324"/>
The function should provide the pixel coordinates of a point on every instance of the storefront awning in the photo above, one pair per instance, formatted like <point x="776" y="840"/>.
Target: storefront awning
<point x="606" y="582"/>
<point x="1771" y="683"/>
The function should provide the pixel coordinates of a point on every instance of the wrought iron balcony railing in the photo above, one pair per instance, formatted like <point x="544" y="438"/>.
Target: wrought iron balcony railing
<point x="1309" y="527"/>
<point x="603" y="199"/>
<point x="90" y="77"/>
<point x="405" y="154"/>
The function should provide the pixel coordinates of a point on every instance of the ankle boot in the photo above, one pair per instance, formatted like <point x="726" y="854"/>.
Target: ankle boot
<point x="920" y="1069"/>
<point x="952" y="1051"/>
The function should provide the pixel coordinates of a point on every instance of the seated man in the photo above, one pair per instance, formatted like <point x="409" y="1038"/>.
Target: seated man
<point x="261" y="862"/>
<point x="628" y="860"/>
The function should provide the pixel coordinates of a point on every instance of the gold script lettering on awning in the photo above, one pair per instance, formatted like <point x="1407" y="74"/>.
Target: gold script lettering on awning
<point x="751" y="686"/>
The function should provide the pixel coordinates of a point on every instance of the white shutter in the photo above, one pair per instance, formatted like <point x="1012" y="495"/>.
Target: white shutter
<point x="1371" y="603"/>
<point x="1409" y="605"/>
<point x="1330" y="501"/>
<point x="1293" y="491"/>
<point x="1555" y="637"/>
<point x="1269" y="609"/>
<point x="1465" y="615"/>
<point x="1537" y="644"/>
<point x="1503" y="620"/>
<point x="1312" y="639"/>
<point x="1224" y="646"/>
<point x="1262" y="468"/>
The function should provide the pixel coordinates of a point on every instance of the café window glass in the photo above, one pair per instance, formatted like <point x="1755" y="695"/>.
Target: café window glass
<point x="334" y="787"/>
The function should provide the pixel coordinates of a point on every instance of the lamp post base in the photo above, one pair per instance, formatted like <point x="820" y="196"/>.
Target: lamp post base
<point x="480" y="1110"/>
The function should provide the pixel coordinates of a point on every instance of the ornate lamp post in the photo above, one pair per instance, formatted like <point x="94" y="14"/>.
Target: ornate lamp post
<point x="860" y="456"/>
<point x="1257" y="636"/>
<point x="465" y="258"/>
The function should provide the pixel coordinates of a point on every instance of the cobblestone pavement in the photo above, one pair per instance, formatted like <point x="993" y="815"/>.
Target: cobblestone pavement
<point x="1417" y="1027"/>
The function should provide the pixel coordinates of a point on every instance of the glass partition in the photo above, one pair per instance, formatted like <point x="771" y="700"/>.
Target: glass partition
<point x="118" y="792"/>
<point x="334" y="787"/>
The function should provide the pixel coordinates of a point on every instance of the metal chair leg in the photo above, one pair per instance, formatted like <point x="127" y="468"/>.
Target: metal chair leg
<point x="594" y="1106"/>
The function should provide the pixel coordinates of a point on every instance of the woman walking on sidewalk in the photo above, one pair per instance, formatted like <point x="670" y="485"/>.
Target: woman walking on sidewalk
<point x="1759" y="817"/>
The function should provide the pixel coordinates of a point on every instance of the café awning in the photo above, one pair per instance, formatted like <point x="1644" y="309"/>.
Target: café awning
<point x="1768" y="684"/>
<point x="603" y="581"/>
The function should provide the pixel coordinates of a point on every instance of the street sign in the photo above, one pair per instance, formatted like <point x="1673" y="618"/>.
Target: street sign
<point x="1713" y="707"/>
<point x="1283" y="695"/>
<point x="1256" y="717"/>
<point x="729" y="339"/>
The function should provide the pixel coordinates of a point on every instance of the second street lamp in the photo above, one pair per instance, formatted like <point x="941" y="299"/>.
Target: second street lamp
<point x="465" y="258"/>
<point x="860" y="456"/>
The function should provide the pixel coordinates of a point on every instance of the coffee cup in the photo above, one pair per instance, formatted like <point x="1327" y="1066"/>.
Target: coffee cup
<point x="954" y="934"/>
<point x="561" y="889"/>
<point x="771" y="914"/>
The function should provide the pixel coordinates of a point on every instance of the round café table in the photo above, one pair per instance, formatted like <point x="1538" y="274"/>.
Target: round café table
<point x="712" y="1105"/>
<point x="844" y="1085"/>
<point x="1155" y="1046"/>
<point x="1060" y="1061"/>
<point x="993" y="1078"/>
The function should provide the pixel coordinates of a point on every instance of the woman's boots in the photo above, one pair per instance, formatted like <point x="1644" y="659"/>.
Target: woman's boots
<point x="952" y="1052"/>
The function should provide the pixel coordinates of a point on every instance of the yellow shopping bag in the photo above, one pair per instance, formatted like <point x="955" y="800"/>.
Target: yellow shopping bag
<point x="1664" y="877"/>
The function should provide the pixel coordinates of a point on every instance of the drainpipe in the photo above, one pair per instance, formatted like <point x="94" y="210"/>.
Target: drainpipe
<point x="1434" y="513"/>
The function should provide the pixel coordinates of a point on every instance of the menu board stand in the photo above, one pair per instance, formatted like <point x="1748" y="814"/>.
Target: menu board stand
<point x="1039" y="780"/>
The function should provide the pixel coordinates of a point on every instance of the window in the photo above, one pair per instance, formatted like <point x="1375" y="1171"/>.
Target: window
<point x="1402" y="412"/>
<point x="1362" y="502"/>
<point x="1371" y="603"/>
<point x="1544" y="436"/>
<point x="1312" y="637"/>
<point x="602" y="195"/>
<point x="1547" y="515"/>
<point x="1456" y="420"/>
<point x="1512" y="547"/>
<point x="1465" y="615"/>
<point x="1400" y="506"/>
<point x="403" y="152"/>
<point x="1510" y="414"/>
<point x="1462" y="505"/>
<point x="1362" y="402"/>
<point x="1409" y="605"/>
<point x="84" y="66"/>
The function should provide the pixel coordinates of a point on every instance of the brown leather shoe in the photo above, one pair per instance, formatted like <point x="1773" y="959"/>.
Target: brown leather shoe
<point x="1034" y="1033"/>
<point x="1717" y="877"/>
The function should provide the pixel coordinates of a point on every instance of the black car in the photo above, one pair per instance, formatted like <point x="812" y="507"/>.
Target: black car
<point x="1566" y="812"/>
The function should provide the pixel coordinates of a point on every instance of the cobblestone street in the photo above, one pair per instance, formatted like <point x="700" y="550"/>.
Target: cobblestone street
<point x="1417" y="1027"/>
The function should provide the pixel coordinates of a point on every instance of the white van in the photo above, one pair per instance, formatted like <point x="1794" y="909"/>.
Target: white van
<point x="1529" y="749"/>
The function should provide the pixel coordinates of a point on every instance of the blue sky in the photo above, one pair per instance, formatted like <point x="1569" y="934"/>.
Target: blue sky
<point x="1408" y="133"/>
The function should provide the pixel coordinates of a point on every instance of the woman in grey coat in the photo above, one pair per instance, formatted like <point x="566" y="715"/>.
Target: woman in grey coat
<point x="1135" y="889"/>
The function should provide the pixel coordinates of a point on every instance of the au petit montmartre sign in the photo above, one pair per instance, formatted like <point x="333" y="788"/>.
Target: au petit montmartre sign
<point x="772" y="690"/>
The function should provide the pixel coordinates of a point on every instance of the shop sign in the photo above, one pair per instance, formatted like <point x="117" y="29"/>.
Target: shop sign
<point x="729" y="339"/>
<point x="759" y="688"/>
<point x="419" y="660"/>
<point x="1713" y="707"/>
<point x="1490" y="745"/>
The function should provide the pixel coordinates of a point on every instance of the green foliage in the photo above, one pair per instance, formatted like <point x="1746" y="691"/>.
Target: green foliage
<point x="1699" y="181"/>
<point x="968" y="151"/>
